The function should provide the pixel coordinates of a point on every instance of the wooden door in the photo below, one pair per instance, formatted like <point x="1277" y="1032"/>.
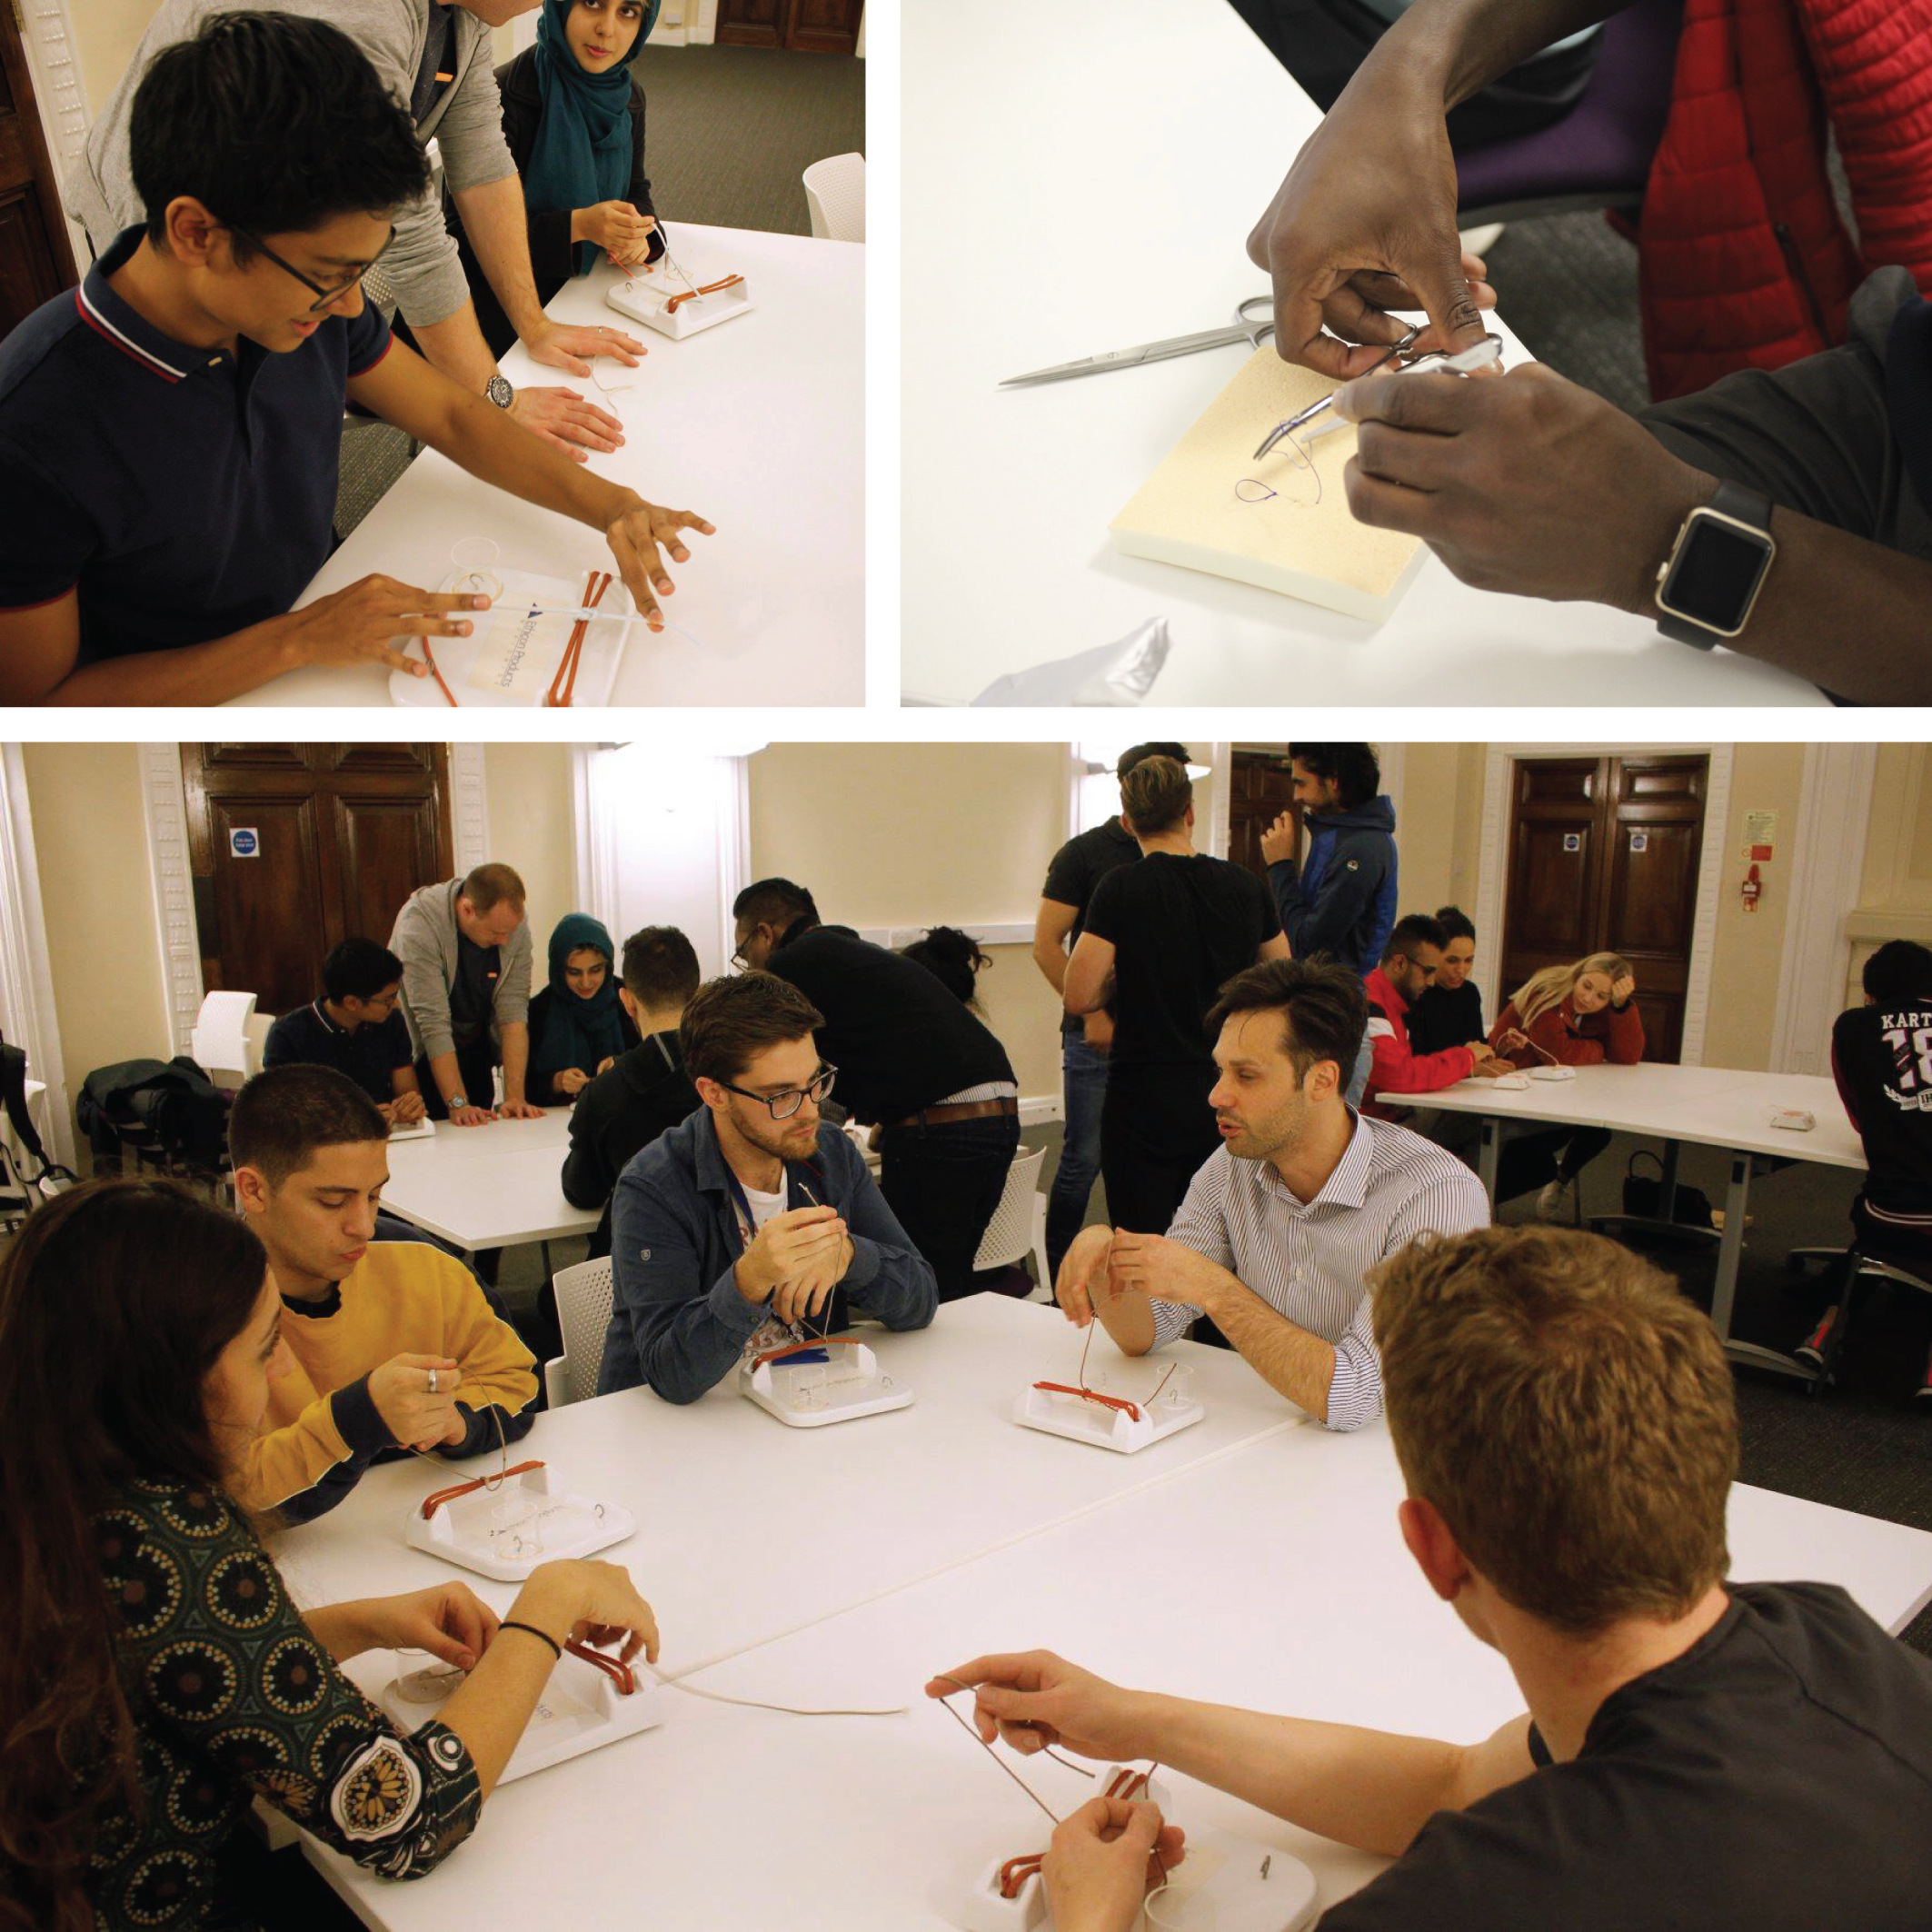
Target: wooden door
<point x="1603" y="858"/>
<point x="296" y="847"/>
<point x="1261" y="786"/>
<point x="805" y="26"/>
<point x="35" y="262"/>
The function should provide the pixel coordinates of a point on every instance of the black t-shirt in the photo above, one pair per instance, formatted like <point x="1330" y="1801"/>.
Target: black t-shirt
<point x="1446" y="1017"/>
<point x="898" y="1039"/>
<point x="1078" y="867"/>
<point x="309" y="1037"/>
<point x="1882" y="1060"/>
<point x="1778" y="1777"/>
<point x="472" y="998"/>
<point x="1180" y="927"/>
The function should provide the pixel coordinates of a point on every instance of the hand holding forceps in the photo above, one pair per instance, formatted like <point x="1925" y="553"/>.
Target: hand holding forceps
<point x="1254" y="323"/>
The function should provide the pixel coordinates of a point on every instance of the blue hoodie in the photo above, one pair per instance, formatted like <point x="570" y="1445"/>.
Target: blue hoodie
<point x="1342" y="901"/>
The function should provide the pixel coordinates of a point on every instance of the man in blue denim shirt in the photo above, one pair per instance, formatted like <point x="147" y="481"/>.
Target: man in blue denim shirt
<point x="754" y="1223"/>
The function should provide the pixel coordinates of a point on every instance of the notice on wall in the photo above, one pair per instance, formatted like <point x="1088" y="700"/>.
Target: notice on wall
<point x="1760" y="835"/>
<point x="243" y="844"/>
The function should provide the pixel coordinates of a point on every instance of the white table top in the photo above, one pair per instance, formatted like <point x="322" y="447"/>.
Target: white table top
<point x="1086" y="174"/>
<point x="1273" y="1577"/>
<point x="487" y="1187"/>
<point x="1711" y="1106"/>
<point x="758" y="424"/>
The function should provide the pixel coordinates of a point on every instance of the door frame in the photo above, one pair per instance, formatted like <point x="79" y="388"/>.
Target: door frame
<point x="46" y="37"/>
<point x="26" y="967"/>
<point x="1492" y="867"/>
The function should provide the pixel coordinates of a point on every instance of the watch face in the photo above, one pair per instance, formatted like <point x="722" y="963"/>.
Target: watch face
<point x="1716" y="573"/>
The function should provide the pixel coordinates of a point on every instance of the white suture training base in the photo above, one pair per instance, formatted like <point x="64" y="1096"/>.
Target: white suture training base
<point x="809" y="1395"/>
<point x="507" y="1532"/>
<point x="1112" y="1428"/>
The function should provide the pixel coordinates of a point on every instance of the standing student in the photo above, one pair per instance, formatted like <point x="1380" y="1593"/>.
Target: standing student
<point x="1161" y="937"/>
<point x="1077" y="868"/>
<point x="1449" y="1012"/>
<point x="356" y="1028"/>
<point x="578" y="1024"/>
<point x="156" y="1675"/>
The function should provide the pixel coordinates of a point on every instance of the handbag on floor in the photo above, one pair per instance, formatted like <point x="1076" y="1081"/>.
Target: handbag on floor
<point x="1643" y="1196"/>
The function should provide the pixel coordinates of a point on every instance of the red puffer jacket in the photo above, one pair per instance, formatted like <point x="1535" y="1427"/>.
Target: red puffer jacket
<point x="1745" y="262"/>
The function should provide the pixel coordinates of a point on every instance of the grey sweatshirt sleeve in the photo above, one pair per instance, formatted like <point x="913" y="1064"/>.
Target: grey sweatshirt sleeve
<point x="470" y="130"/>
<point x="511" y="1001"/>
<point x="425" y="987"/>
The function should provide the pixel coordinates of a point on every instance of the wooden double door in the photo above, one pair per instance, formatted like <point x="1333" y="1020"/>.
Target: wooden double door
<point x="293" y="848"/>
<point x="1261" y="786"/>
<point x="35" y="262"/>
<point x="806" y="26"/>
<point x="1603" y="855"/>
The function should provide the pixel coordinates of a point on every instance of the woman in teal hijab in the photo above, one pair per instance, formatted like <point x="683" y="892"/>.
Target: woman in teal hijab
<point x="578" y="1025"/>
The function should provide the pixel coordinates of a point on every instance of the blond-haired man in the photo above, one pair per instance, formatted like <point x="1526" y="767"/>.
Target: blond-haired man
<point x="1695" y="1753"/>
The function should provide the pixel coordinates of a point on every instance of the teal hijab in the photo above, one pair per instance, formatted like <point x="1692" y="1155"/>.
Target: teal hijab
<point x="582" y="151"/>
<point x="579" y="1032"/>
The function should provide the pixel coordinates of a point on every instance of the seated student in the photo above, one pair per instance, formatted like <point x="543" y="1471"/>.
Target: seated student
<point x="156" y="1675"/>
<point x="578" y="1024"/>
<point x="1881" y="1057"/>
<point x="1567" y="1436"/>
<point x="170" y="435"/>
<point x="1449" y="1012"/>
<point x="754" y="1223"/>
<point x="394" y="1345"/>
<point x="1280" y="1226"/>
<point x="647" y="1089"/>
<point x="356" y="1028"/>
<point x="1410" y="961"/>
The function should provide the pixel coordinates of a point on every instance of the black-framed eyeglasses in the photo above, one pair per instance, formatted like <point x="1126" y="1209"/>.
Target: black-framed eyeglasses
<point x="782" y="1106"/>
<point x="323" y="296"/>
<point x="738" y="957"/>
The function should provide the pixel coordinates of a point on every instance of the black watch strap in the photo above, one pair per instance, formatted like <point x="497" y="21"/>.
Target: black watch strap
<point x="1748" y="506"/>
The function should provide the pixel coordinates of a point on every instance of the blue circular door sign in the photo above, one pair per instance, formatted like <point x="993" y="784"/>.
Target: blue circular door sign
<point x="242" y="842"/>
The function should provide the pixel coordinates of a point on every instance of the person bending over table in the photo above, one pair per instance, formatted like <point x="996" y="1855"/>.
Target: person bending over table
<point x="1881" y="1057"/>
<point x="394" y="1345"/>
<point x="1449" y="1012"/>
<point x="1410" y="961"/>
<point x="355" y="1028"/>
<point x="754" y="1223"/>
<point x="1567" y="1438"/>
<point x="170" y="436"/>
<point x="647" y="1089"/>
<point x="578" y="1025"/>
<point x="1279" y="1231"/>
<point x="156" y="1675"/>
<point x="1839" y="443"/>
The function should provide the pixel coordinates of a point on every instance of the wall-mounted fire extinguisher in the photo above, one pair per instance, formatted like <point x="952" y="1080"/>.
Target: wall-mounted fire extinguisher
<point x="1751" y="891"/>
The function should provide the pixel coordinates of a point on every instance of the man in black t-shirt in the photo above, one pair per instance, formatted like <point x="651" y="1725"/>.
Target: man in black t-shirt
<point x="913" y="1060"/>
<point x="356" y="1029"/>
<point x="1078" y="867"/>
<point x="1696" y="1753"/>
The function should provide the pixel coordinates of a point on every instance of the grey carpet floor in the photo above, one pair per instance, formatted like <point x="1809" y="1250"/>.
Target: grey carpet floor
<point x="729" y="131"/>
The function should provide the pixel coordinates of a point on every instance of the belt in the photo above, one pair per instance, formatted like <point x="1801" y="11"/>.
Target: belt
<point x="959" y="1110"/>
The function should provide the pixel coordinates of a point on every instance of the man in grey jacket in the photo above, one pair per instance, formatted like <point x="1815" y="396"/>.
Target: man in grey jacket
<point x="436" y="61"/>
<point x="465" y="952"/>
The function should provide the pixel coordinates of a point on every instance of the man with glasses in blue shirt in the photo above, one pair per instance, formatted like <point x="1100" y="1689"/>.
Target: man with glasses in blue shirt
<point x="754" y="1223"/>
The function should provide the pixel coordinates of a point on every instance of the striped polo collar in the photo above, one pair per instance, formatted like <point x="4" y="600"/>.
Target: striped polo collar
<point x="1347" y="1186"/>
<point x="113" y="321"/>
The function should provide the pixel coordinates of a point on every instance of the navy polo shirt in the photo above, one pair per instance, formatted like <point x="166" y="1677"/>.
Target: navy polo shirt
<point x="187" y="491"/>
<point x="309" y="1037"/>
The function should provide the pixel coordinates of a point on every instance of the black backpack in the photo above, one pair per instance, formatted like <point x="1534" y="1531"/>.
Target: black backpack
<point x="48" y="1177"/>
<point x="174" y="1101"/>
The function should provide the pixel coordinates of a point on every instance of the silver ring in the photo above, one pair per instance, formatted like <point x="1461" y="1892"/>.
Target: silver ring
<point x="433" y="1381"/>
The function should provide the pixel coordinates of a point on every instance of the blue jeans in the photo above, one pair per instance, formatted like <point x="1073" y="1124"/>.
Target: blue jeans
<point x="1358" y="1079"/>
<point x="1085" y="1081"/>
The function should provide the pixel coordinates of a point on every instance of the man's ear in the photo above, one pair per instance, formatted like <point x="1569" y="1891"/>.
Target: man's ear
<point x="711" y="1093"/>
<point x="251" y="1190"/>
<point x="194" y="238"/>
<point x="628" y="1001"/>
<point x="1428" y="1540"/>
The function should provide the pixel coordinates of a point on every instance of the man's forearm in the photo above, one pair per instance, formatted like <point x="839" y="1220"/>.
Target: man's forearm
<point x="443" y="1070"/>
<point x="1050" y="957"/>
<point x="516" y="1059"/>
<point x="494" y="448"/>
<point x="495" y="218"/>
<point x="223" y="667"/>
<point x="1461" y="46"/>
<point x="1286" y="1357"/>
<point x="1129" y="1319"/>
<point x="456" y="347"/>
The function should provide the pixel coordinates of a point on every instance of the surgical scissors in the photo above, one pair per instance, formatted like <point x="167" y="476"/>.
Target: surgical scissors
<point x="1251" y="328"/>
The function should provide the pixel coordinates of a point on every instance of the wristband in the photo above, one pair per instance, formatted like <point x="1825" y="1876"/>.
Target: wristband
<point x="530" y="1629"/>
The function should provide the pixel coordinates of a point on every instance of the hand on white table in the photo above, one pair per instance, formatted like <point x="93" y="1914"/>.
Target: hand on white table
<point x="359" y="624"/>
<point x="471" y="1116"/>
<point x="634" y="539"/>
<point x="519" y="1110"/>
<point x="405" y="1110"/>
<point x="1102" y="1862"/>
<point x="572" y="347"/>
<point x="566" y="421"/>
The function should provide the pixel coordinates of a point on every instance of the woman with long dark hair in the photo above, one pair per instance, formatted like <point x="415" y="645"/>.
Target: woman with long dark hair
<point x="154" y="1676"/>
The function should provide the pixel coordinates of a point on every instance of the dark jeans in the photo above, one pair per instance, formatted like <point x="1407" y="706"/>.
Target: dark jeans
<point x="944" y="1184"/>
<point x="1084" y="1076"/>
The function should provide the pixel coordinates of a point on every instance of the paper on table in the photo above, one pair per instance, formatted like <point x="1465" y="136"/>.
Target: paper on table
<point x="519" y="651"/>
<point x="1189" y="512"/>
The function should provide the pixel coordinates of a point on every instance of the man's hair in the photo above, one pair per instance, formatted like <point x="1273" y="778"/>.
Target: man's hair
<point x="1413" y="931"/>
<point x="661" y="967"/>
<point x="275" y="123"/>
<point x="489" y="886"/>
<point x="282" y="1117"/>
<point x="1324" y="1012"/>
<point x="1568" y="1412"/>
<point x="1140" y="753"/>
<point x="1899" y="974"/>
<point x="730" y="1021"/>
<point x="359" y="969"/>
<point x="774" y="902"/>
<point x="1155" y="794"/>
<point x="1455" y="924"/>
<point x="1352" y="769"/>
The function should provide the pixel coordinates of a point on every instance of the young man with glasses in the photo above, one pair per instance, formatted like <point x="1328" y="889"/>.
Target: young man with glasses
<point x="755" y="1222"/>
<point x="170" y="432"/>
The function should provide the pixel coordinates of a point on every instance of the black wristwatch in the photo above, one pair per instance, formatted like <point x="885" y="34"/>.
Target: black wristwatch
<point x="1706" y="586"/>
<point x="499" y="391"/>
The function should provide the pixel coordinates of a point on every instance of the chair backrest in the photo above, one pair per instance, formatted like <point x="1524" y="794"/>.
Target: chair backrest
<point x="835" y="195"/>
<point x="220" y="1044"/>
<point x="584" y="1313"/>
<point x="1009" y="1236"/>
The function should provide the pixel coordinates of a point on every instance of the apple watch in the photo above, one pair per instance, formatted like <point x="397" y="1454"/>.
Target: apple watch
<point x="1707" y="585"/>
<point x="499" y="391"/>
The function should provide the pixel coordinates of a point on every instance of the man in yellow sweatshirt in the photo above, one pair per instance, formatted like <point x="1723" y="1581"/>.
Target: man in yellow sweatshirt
<point x="395" y="1345"/>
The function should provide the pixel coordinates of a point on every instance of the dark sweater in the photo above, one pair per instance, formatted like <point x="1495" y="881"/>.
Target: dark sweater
<point x="540" y="1088"/>
<point x="619" y="1112"/>
<point x="1441" y="1018"/>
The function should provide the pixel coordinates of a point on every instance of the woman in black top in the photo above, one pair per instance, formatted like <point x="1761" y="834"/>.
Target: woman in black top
<point x="1161" y="937"/>
<point x="1449" y="1012"/>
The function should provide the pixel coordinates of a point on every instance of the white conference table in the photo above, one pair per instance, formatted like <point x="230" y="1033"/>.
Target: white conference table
<point x="1086" y="175"/>
<point x="1274" y="1576"/>
<point x="757" y="424"/>
<point x="487" y="1187"/>
<point x="1705" y="1106"/>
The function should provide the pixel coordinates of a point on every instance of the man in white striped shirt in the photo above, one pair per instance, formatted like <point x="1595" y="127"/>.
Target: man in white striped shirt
<point x="1283" y="1223"/>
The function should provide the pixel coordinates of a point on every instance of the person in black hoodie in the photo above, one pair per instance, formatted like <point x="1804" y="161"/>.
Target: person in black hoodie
<point x="911" y="1060"/>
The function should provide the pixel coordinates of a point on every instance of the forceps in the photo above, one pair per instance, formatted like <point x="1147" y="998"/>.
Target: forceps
<point x="1254" y="328"/>
<point x="1489" y="350"/>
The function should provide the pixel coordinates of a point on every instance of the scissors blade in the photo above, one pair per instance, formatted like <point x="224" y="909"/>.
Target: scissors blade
<point x="1146" y="352"/>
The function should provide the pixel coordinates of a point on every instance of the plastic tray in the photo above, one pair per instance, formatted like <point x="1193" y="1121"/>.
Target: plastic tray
<point x="809" y="1395"/>
<point x="642" y="295"/>
<point x="1110" y="1428"/>
<point x="491" y="1532"/>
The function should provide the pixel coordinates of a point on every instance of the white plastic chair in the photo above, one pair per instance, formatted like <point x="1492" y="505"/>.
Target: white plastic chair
<point x="220" y="1044"/>
<point x="835" y="195"/>
<point x="1019" y="1226"/>
<point x="584" y="1313"/>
